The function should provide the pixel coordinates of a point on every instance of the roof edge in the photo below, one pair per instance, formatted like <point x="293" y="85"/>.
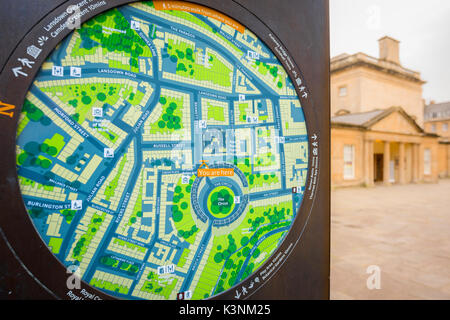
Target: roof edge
<point x="390" y="111"/>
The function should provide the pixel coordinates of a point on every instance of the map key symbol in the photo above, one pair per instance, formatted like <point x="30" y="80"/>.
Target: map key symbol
<point x="108" y="153"/>
<point x="76" y="204"/>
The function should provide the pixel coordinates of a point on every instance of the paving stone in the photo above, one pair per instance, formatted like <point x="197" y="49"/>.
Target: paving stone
<point x="405" y="230"/>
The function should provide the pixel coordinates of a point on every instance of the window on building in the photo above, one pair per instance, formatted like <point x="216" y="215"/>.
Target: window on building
<point x="427" y="161"/>
<point x="445" y="127"/>
<point x="433" y="127"/>
<point x="349" y="162"/>
<point x="343" y="91"/>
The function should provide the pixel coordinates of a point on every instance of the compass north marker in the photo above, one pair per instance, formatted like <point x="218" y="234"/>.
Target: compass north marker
<point x="6" y="109"/>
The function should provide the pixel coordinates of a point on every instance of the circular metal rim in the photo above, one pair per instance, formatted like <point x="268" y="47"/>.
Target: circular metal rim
<point x="15" y="216"/>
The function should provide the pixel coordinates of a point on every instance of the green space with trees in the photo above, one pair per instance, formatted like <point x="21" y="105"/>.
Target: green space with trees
<point x="182" y="213"/>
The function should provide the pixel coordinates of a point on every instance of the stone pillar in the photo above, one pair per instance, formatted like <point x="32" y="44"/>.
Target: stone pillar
<point x="421" y="164"/>
<point x="415" y="163"/>
<point x="401" y="163"/>
<point x="386" y="163"/>
<point x="368" y="164"/>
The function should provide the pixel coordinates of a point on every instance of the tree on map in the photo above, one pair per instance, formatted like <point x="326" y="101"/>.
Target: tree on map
<point x="35" y="114"/>
<point x="101" y="96"/>
<point x="36" y="213"/>
<point x="177" y="215"/>
<point x="108" y="261"/>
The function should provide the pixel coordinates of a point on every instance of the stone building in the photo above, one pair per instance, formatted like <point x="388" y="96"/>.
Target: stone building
<point x="437" y="121"/>
<point x="377" y="121"/>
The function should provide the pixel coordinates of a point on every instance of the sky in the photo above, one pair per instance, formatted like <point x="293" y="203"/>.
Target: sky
<point x="422" y="27"/>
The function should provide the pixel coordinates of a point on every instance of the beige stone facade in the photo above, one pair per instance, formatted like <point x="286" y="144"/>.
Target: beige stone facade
<point x="362" y="83"/>
<point x="377" y="124"/>
<point x="437" y="121"/>
<point x="385" y="146"/>
<point x="439" y="127"/>
<point x="444" y="159"/>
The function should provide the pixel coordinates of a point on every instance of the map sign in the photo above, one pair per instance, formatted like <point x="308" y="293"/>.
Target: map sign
<point x="162" y="152"/>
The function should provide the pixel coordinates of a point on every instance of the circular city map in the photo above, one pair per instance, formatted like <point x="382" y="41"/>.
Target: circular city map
<point x="162" y="152"/>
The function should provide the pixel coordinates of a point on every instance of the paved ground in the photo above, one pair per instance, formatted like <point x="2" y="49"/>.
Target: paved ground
<point x="405" y="230"/>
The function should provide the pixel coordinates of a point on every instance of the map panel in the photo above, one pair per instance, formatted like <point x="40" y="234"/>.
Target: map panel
<point x="162" y="151"/>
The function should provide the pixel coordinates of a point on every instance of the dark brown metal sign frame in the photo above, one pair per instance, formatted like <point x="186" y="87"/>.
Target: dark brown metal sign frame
<point x="297" y="32"/>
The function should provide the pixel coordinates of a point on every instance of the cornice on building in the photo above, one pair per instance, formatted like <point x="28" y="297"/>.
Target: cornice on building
<point x="345" y="61"/>
<point x="436" y="120"/>
<point x="354" y="120"/>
